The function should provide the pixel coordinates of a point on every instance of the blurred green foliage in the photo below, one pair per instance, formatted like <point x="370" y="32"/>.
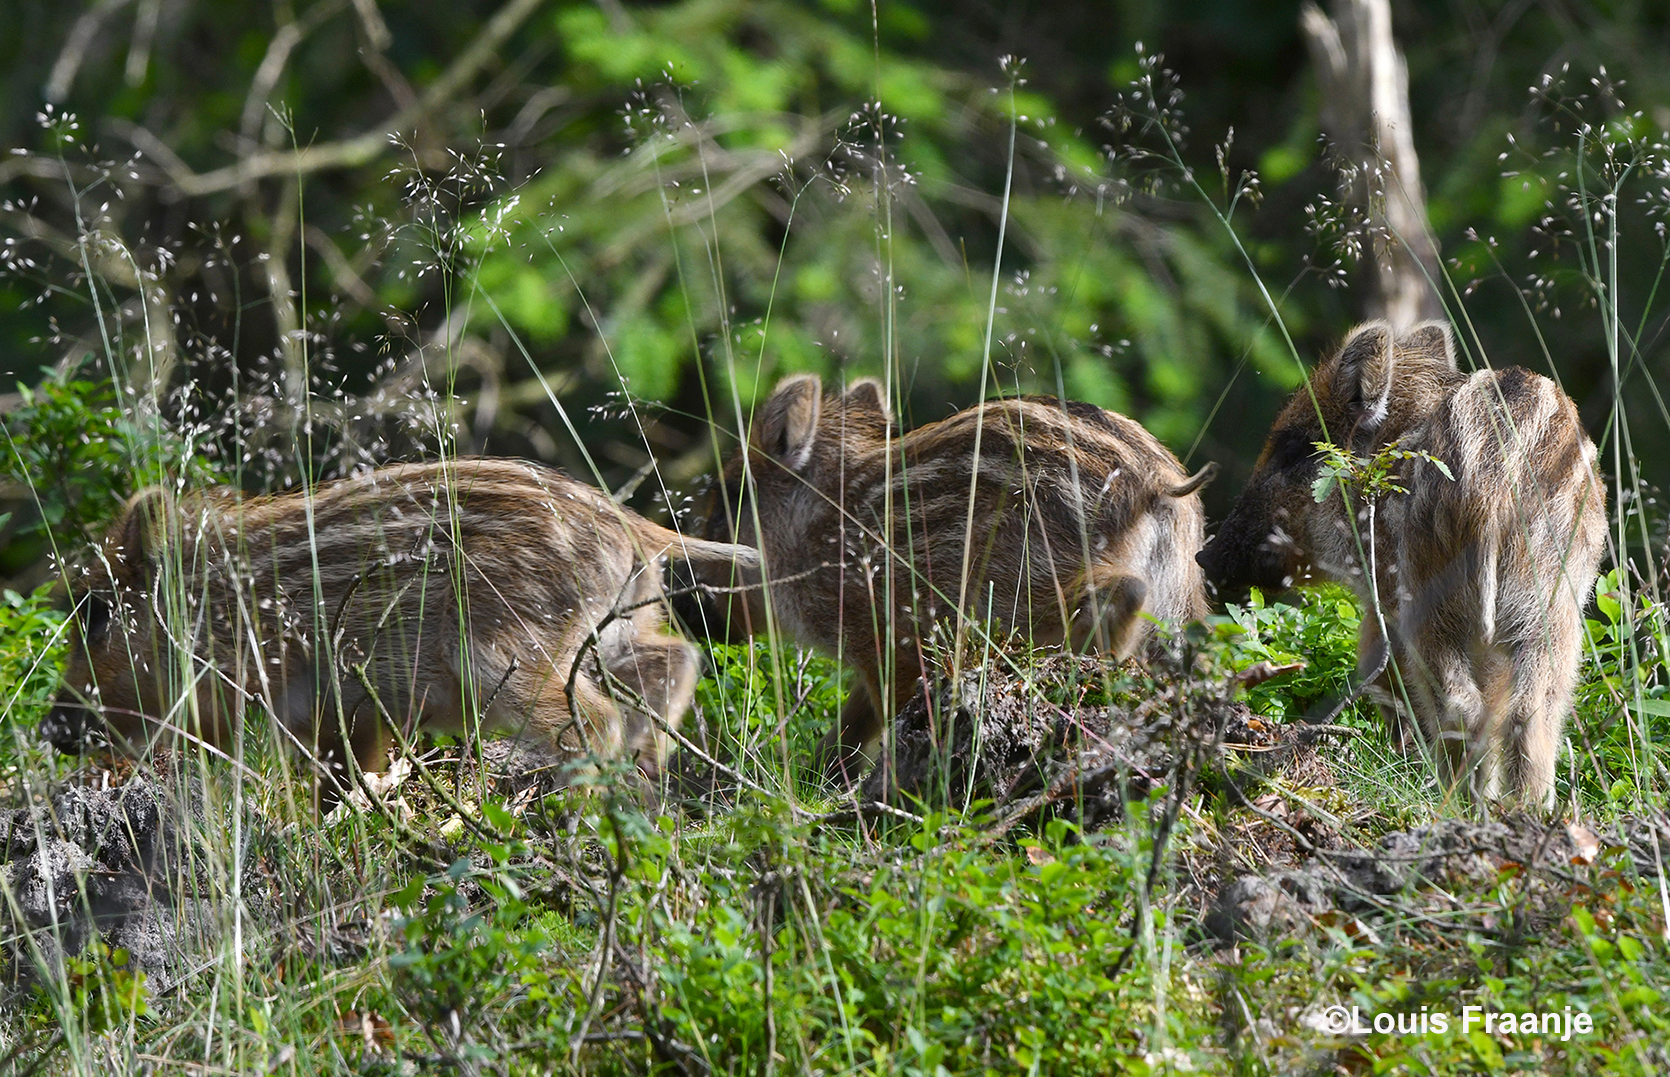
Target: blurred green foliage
<point x="1621" y="699"/>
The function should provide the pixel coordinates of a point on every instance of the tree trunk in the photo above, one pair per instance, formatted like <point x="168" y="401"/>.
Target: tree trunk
<point x="1365" y="115"/>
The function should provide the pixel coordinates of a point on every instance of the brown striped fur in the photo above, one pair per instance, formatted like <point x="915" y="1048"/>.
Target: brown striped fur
<point x="1081" y="521"/>
<point x="464" y="588"/>
<point x="1482" y="579"/>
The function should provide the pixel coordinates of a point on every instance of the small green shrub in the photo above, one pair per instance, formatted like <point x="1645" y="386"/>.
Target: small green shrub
<point x="107" y="992"/>
<point x="1604" y="956"/>
<point x="765" y="704"/>
<point x="938" y="955"/>
<point x="32" y="646"/>
<point x="1622" y="699"/>
<point x="1320" y="632"/>
<point x="80" y="450"/>
<point x="475" y="965"/>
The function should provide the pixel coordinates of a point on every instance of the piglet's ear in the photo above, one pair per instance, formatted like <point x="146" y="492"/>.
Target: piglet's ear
<point x="137" y="540"/>
<point x="1430" y="341"/>
<point x="1363" y="373"/>
<point x="867" y="395"/>
<point x="864" y="414"/>
<point x="787" y="423"/>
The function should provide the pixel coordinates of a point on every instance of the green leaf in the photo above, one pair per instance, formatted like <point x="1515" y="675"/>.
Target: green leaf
<point x="1657" y="707"/>
<point x="500" y="819"/>
<point x="1485" y="1048"/>
<point x="1323" y="486"/>
<point x="408" y="895"/>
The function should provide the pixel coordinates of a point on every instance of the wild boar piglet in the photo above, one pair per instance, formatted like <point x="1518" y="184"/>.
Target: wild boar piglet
<point x="474" y="593"/>
<point x="1481" y="575"/>
<point x="1057" y="519"/>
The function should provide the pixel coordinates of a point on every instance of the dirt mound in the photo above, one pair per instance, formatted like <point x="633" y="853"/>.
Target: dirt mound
<point x="1077" y="733"/>
<point x="1443" y="877"/>
<point x="116" y="863"/>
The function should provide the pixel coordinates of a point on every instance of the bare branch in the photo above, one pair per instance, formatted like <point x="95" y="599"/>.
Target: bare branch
<point x="351" y="281"/>
<point x="158" y="152"/>
<point x="277" y="58"/>
<point x="68" y="64"/>
<point x="360" y="149"/>
<point x="536" y="107"/>
<point x="42" y="166"/>
<point x="144" y="36"/>
<point x="375" y="59"/>
<point x="376" y="30"/>
<point x="286" y="314"/>
<point x="109" y="257"/>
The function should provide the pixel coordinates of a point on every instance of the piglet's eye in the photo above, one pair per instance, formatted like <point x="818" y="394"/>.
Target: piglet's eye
<point x="94" y="613"/>
<point x="1290" y="449"/>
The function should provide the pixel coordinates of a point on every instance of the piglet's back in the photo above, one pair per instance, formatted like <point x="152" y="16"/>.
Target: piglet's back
<point x="431" y="594"/>
<point x="1061" y="488"/>
<point x="1523" y="477"/>
<point x="530" y="537"/>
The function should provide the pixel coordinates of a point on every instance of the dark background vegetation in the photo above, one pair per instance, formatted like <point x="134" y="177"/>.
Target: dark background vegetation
<point x="692" y="197"/>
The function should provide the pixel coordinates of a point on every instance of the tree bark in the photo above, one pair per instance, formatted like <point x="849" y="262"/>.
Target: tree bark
<point x="1364" y="84"/>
